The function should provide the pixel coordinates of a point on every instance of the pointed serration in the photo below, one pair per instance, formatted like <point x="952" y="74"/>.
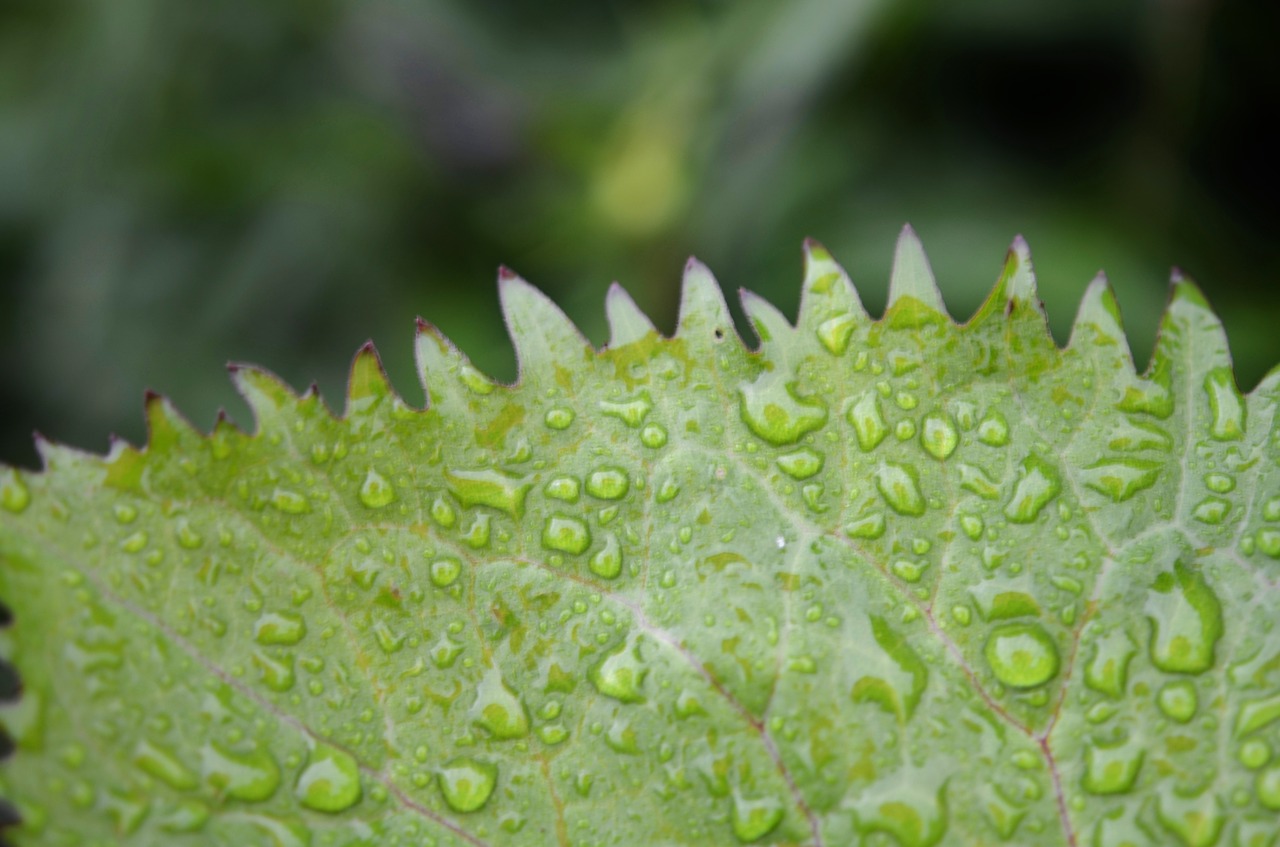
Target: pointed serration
<point x="770" y="325"/>
<point x="367" y="383"/>
<point x="626" y="322"/>
<point x="266" y="394"/>
<point x="541" y="333"/>
<point x="448" y="378"/>
<point x="165" y="424"/>
<point x="912" y="284"/>
<point x="827" y="290"/>
<point x="704" y="316"/>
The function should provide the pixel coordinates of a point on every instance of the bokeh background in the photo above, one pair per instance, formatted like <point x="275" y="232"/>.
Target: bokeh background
<point x="278" y="180"/>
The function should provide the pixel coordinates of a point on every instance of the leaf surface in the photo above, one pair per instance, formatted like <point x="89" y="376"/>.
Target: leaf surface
<point x="895" y="581"/>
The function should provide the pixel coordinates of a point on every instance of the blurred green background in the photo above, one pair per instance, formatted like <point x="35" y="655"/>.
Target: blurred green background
<point x="278" y="180"/>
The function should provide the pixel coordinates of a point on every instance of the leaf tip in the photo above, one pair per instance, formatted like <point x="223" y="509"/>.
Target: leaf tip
<point x="912" y="285"/>
<point x="702" y="304"/>
<point x="627" y="322"/>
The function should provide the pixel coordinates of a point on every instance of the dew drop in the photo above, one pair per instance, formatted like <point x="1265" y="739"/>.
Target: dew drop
<point x="1257" y="713"/>
<point x="653" y="436"/>
<point x="14" y="494"/>
<point x="125" y="514"/>
<point x="1038" y="484"/>
<point x="188" y="537"/>
<point x="376" y="492"/>
<point x="251" y="776"/>
<point x="279" y="628"/>
<point x="938" y="435"/>
<point x="753" y="819"/>
<point x="275" y="673"/>
<point x="1268" y="541"/>
<point x="1178" y="700"/>
<point x="1219" y="483"/>
<point x="1225" y="406"/>
<point x="1111" y="768"/>
<point x="620" y="674"/>
<point x="1196" y="821"/>
<point x="834" y="333"/>
<point x="1211" y="511"/>
<point x="630" y="412"/>
<point x="566" y="534"/>
<point x="908" y="571"/>
<point x="558" y="418"/>
<point x="1022" y="655"/>
<point x="972" y="526"/>
<point x="868" y="421"/>
<point x="771" y="409"/>
<point x="466" y="783"/>
<point x="490" y="488"/>
<point x="802" y="463"/>
<point x="1271" y="510"/>
<point x="1107" y="670"/>
<point x="160" y="763"/>
<point x="1186" y="621"/>
<point x="1267" y="788"/>
<point x="445" y="571"/>
<point x="475" y="381"/>
<point x="564" y="488"/>
<point x="290" y="502"/>
<point x="609" y="483"/>
<point x="1121" y="478"/>
<point x="330" y="782"/>
<point x="993" y="429"/>
<point x="1254" y="753"/>
<point x="606" y="562"/>
<point x="899" y="485"/>
<point x="498" y="709"/>
<point x="870" y="527"/>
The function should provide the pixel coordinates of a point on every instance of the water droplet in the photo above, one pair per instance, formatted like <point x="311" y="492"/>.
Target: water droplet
<point x="1107" y="670"/>
<point x="188" y="537"/>
<point x="801" y="464"/>
<point x="899" y="485"/>
<point x="1254" y="753"/>
<point x="1178" y="700"/>
<point x="14" y="494"/>
<point x="562" y="488"/>
<point x="1271" y="511"/>
<point x="753" y="819"/>
<point x="443" y="513"/>
<point x="608" y="483"/>
<point x="1037" y="485"/>
<point x="1219" y="483"/>
<point x="1121" y="478"/>
<point x="961" y="615"/>
<point x="870" y="527"/>
<point x="972" y="526"/>
<point x="566" y="534"/>
<point x="908" y="571"/>
<point x="1111" y="768"/>
<point x="1268" y="789"/>
<point x="186" y="816"/>
<point x="160" y="763"/>
<point x="1211" y="510"/>
<point x="376" y="492"/>
<point x="630" y="412"/>
<point x="559" y="417"/>
<point x="498" y="709"/>
<point x="868" y="421"/>
<point x="772" y="410"/>
<point x="251" y="776"/>
<point x="993" y="429"/>
<point x="620" y="674"/>
<point x="607" y="561"/>
<point x="290" y="502"/>
<point x="1129" y="436"/>
<point x="999" y="601"/>
<point x="1268" y="540"/>
<point x="125" y="514"/>
<point x="905" y="811"/>
<point x="1257" y="713"/>
<point x="1196" y="821"/>
<point x="1186" y="621"/>
<point x="938" y="435"/>
<point x="1022" y="655"/>
<point x="653" y="436"/>
<point x="975" y="479"/>
<point x="835" y="332"/>
<point x="896" y="678"/>
<point x="445" y="571"/>
<point x="276" y="628"/>
<point x="275" y="673"/>
<point x="330" y="782"/>
<point x="1225" y="405"/>
<point x="490" y="488"/>
<point x="466" y="783"/>
<point x="475" y="381"/>
<point x="136" y="542"/>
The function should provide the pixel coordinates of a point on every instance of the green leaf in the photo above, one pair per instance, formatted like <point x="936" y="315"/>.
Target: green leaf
<point x="878" y="582"/>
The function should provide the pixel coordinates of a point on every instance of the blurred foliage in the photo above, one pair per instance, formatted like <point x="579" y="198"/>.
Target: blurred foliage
<point x="278" y="181"/>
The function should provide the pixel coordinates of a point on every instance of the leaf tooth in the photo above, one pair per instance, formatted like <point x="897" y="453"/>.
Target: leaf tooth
<point x="770" y="325"/>
<point x="446" y="373"/>
<point x="1099" y="319"/>
<point x="912" y="277"/>
<point x="368" y="383"/>
<point x="165" y="424"/>
<point x="627" y="323"/>
<point x="541" y="333"/>
<point x="1189" y="320"/>
<point x="704" y="314"/>
<point x="827" y="290"/>
<point x="266" y="394"/>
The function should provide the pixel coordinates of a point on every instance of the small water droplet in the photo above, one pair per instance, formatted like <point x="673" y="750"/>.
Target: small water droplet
<point x="475" y="381"/>
<point x="1219" y="483"/>
<point x="275" y="673"/>
<point x="1038" y="483"/>
<point x="1107" y="670"/>
<point x="868" y="421"/>
<point x="1186" y="621"/>
<point x="908" y="571"/>
<point x="14" y="494"/>
<point x="834" y="333"/>
<point x="802" y="463"/>
<point x="961" y="615"/>
<point x="1225" y="405"/>
<point x="1111" y="768"/>
<point x="993" y="429"/>
<point x="653" y="436"/>
<point x="158" y="762"/>
<point x="376" y="492"/>
<point x="498" y="709"/>
<point x="773" y="411"/>
<point x="563" y="488"/>
<point x="1211" y="511"/>
<point x="1268" y="541"/>
<point x="330" y="782"/>
<point x="607" y="561"/>
<point x="608" y="483"/>
<point x="620" y="674"/>
<point x="899" y="485"/>
<point x="1271" y="510"/>
<point x="279" y="628"/>
<point x="938" y="435"/>
<point x="559" y="417"/>
<point x="136" y="542"/>
<point x="870" y="527"/>
<point x="445" y="571"/>
<point x="1178" y="700"/>
<point x="1267" y="788"/>
<point x="1257" y="713"/>
<point x="972" y="526"/>
<point x="290" y="502"/>
<point x="125" y="514"/>
<point x="566" y="534"/>
<point x="466" y="783"/>
<point x="1254" y="753"/>
<point x="1022" y="655"/>
<point x="753" y="819"/>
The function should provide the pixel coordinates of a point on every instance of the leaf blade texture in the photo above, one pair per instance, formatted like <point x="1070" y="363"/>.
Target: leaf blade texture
<point x="879" y="581"/>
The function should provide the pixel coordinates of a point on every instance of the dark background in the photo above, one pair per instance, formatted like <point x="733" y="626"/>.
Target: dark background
<point x="187" y="183"/>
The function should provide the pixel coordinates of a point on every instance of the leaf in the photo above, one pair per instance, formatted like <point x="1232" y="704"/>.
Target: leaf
<point x="893" y="581"/>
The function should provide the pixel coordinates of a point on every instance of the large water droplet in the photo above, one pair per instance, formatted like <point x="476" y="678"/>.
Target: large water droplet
<point x="899" y="485"/>
<point x="566" y="534"/>
<point x="376" y="492"/>
<point x="938" y="435"/>
<point x="1121" y="478"/>
<point x="834" y="333"/>
<point x="488" y="487"/>
<point x="275" y="673"/>
<point x="1178" y="700"/>
<point x="1196" y="821"/>
<point x="445" y="571"/>
<point x="894" y="678"/>
<point x="1022" y="655"/>
<point x="620" y="674"/>
<point x="498" y="709"/>
<point x="252" y="776"/>
<point x="330" y="782"/>
<point x="1267" y="788"/>
<point x="608" y="483"/>
<point x="1111" y="768"/>
<point x="753" y="819"/>
<point x="466" y="783"/>
<point x="160" y="763"/>
<point x="285" y="628"/>
<point x="1225" y="405"/>
<point x="607" y="561"/>
<point x="772" y="410"/>
<point x="802" y="463"/>
<point x="868" y="421"/>
<point x="1108" y="667"/>
<point x="993" y="429"/>
<point x="630" y="412"/>
<point x="1186" y="621"/>
<point x="564" y="488"/>
<point x="1257" y="713"/>
<point x="1038" y="484"/>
